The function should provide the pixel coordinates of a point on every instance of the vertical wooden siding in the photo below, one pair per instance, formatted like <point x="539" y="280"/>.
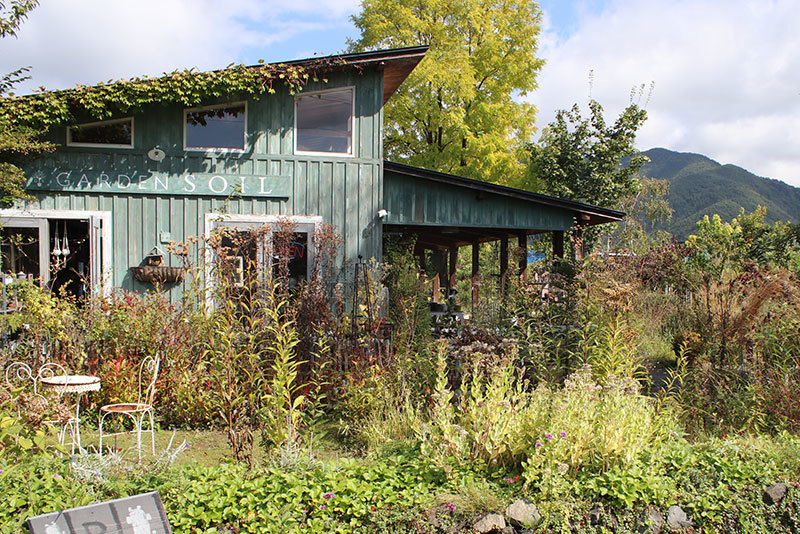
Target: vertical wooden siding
<point x="346" y="192"/>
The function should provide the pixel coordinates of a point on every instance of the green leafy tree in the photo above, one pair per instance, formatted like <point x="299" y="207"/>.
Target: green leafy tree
<point x="648" y="206"/>
<point x="588" y="160"/>
<point x="15" y="141"/>
<point x="581" y="158"/>
<point x="457" y="111"/>
<point x="11" y="17"/>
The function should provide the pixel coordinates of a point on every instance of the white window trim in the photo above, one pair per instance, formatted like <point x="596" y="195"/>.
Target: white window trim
<point x="232" y="220"/>
<point x="352" y="153"/>
<point x="100" y="123"/>
<point x="213" y="148"/>
<point x="105" y="270"/>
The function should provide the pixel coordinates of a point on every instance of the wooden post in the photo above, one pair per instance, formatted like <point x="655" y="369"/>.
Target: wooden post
<point x="558" y="244"/>
<point x="440" y="278"/>
<point x="577" y="243"/>
<point x="522" y="241"/>
<point x="503" y="265"/>
<point x="423" y="264"/>
<point x="451" y="280"/>
<point x="475" y="270"/>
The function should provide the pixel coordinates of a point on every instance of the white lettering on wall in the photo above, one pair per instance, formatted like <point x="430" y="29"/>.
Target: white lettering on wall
<point x="261" y="190"/>
<point x="189" y="181"/>
<point x="103" y="180"/>
<point x="65" y="182"/>
<point x="134" y="181"/>
<point x="222" y="179"/>
<point x="162" y="181"/>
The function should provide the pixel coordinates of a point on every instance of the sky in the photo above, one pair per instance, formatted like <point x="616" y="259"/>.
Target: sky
<point x="725" y="73"/>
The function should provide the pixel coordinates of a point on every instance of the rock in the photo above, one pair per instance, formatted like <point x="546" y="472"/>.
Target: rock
<point x="651" y="521"/>
<point x="489" y="523"/>
<point x="508" y="530"/>
<point x="594" y="516"/>
<point x="523" y="513"/>
<point x="775" y="493"/>
<point x="677" y="518"/>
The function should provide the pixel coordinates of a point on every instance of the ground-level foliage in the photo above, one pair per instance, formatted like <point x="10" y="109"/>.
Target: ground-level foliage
<point x="652" y="380"/>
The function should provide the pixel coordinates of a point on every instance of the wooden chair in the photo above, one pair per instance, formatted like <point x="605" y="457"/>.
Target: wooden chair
<point x="137" y="411"/>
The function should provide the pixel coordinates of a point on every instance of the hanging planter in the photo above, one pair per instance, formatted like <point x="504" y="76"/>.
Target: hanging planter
<point x="158" y="274"/>
<point x="152" y="272"/>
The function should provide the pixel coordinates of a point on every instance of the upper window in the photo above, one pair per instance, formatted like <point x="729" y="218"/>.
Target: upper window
<point x="115" y="134"/>
<point x="215" y="127"/>
<point x="324" y="122"/>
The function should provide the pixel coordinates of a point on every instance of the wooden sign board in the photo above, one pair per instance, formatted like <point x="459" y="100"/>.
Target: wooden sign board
<point x="140" y="514"/>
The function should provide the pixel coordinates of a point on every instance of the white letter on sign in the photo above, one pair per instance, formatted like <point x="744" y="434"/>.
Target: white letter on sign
<point x="224" y="184"/>
<point x="190" y="185"/>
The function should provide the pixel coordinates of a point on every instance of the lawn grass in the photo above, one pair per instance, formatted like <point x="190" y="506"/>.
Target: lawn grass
<point x="205" y="447"/>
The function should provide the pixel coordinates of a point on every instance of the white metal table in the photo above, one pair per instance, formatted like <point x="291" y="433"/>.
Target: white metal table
<point x="78" y="384"/>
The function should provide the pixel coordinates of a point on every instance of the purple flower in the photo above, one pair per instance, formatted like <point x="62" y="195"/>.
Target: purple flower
<point x="328" y="495"/>
<point x="450" y="507"/>
<point x="549" y="436"/>
<point x="56" y="476"/>
<point x="538" y="443"/>
<point x="321" y="506"/>
<point x="562" y="434"/>
<point x="508" y="480"/>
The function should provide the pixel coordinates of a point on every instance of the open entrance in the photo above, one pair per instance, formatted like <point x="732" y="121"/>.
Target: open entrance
<point x="64" y="251"/>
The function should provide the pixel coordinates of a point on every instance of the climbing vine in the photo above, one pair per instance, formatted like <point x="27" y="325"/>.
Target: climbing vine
<point x="46" y="109"/>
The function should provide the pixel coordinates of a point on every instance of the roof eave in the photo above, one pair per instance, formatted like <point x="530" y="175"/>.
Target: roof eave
<point x="396" y="63"/>
<point x="586" y="214"/>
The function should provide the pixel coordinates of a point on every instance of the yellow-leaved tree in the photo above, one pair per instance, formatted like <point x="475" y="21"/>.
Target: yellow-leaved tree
<point x="457" y="111"/>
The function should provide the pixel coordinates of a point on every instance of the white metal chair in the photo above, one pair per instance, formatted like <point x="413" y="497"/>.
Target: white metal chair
<point x="19" y="373"/>
<point x="137" y="411"/>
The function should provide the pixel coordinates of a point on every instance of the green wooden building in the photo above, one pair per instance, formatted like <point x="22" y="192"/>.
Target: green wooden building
<point x="114" y="191"/>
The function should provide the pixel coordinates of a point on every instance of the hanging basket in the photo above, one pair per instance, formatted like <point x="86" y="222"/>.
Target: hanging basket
<point x="157" y="274"/>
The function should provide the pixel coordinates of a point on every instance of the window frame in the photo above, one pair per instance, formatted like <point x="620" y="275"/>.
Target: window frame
<point x="186" y="111"/>
<point x="70" y="142"/>
<point x="352" y="154"/>
<point x="101" y="244"/>
<point x="310" y="224"/>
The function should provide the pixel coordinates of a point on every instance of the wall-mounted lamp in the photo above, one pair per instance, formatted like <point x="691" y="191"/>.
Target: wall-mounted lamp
<point x="382" y="213"/>
<point x="156" y="154"/>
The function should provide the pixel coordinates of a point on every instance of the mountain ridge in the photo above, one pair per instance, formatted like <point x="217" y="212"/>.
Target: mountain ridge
<point x="701" y="186"/>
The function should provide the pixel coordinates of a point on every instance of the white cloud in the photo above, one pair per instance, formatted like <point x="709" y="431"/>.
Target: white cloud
<point x="725" y="76"/>
<point x="89" y="41"/>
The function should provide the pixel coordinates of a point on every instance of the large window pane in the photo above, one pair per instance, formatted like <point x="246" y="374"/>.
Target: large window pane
<point x="110" y="133"/>
<point x="324" y="122"/>
<point x="217" y="127"/>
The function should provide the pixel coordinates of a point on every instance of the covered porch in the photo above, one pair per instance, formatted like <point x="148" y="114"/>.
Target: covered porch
<point x="443" y="212"/>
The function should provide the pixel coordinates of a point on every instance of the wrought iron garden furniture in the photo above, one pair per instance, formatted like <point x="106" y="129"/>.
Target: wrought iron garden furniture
<point x="139" y="410"/>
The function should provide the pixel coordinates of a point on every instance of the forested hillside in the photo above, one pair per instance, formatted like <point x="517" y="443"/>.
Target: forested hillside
<point x="700" y="186"/>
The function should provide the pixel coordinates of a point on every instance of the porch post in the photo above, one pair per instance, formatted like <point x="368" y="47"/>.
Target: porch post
<point x="475" y="264"/>
<point x="522" y="241"/>
<point x="451" y="281"/>
<point x="440" y="266"/>
<point x="503" y="265"/>
<point x="577" y="243"/>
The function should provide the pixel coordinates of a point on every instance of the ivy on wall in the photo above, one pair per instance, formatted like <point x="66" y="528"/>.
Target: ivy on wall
<point x="46" y="109"/>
